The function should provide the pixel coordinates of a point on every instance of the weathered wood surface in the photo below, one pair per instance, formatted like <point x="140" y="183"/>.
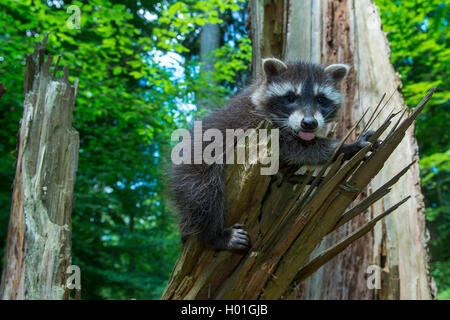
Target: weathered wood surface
<point x="38" y="248"/>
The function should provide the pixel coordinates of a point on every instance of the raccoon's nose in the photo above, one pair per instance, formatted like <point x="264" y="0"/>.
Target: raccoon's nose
<point x="309" y="124"/>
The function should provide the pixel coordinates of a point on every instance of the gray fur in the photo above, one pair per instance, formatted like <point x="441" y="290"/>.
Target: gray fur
<point x="199" y="190"/>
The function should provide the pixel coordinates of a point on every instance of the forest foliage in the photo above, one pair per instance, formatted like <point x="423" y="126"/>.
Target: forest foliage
<point x="139" y="69"/>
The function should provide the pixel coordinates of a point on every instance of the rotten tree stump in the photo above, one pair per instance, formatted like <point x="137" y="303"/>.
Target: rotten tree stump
<point x="287" y="219"/>
<point x="39" y="233"/>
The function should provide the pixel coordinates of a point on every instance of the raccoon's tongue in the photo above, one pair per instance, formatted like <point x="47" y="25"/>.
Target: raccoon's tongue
<point x="306" y="135"/>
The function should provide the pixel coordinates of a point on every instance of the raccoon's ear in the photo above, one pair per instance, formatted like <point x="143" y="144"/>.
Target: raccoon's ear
<point x="337" y="71"/>
<point x="273" y="67"/>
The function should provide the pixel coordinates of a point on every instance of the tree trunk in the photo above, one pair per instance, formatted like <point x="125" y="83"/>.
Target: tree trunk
<point x="344" y="31"/>
<point x="209" y="41"/>
<point x="299" y="222"/>
<point x="2" y="89"/>
<point x="38" y="248"/>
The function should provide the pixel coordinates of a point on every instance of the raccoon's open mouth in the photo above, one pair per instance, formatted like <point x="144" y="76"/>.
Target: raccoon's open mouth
<point x="306" y="135"/>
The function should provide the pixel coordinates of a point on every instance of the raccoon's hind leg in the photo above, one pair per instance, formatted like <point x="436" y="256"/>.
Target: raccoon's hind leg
<point x="213" y="213"/>
<point x="201" y="203"/>
<point x="232" y="238"/>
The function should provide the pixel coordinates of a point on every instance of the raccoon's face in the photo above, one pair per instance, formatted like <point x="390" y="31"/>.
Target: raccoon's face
<point x="300" y="97"/>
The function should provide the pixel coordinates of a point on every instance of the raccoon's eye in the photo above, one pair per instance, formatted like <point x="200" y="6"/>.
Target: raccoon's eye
<point x="321" y="99"/>
<point x="290" y="97"/>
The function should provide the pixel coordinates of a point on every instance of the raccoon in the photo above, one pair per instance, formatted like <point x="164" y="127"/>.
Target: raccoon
<point x="299" y="98"/>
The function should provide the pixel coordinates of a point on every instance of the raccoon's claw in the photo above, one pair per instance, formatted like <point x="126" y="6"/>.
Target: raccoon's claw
<point x="239" y="238"/>
<point x="364" y="140"/>
<point x="232" y="238"/>
<point x="351" y="149"/>
<point x="366" y="135"/>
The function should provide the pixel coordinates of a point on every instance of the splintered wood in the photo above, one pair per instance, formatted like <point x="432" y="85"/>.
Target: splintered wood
<point x="287" y="219"/>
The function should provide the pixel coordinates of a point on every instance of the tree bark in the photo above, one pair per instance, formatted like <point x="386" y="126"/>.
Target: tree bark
<point x="38" y="248"/>
<point x="297" y="223"/>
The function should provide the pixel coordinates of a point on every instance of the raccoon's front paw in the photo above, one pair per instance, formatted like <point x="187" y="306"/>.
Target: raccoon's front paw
<point x="238" y="237"/>
<point x="364" y="140"/>
<point x="350" y="149"/>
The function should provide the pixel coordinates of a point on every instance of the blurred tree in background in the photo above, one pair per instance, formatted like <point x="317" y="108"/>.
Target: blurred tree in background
<point x="419" y="37"/>
<point x="139" y="68"/>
